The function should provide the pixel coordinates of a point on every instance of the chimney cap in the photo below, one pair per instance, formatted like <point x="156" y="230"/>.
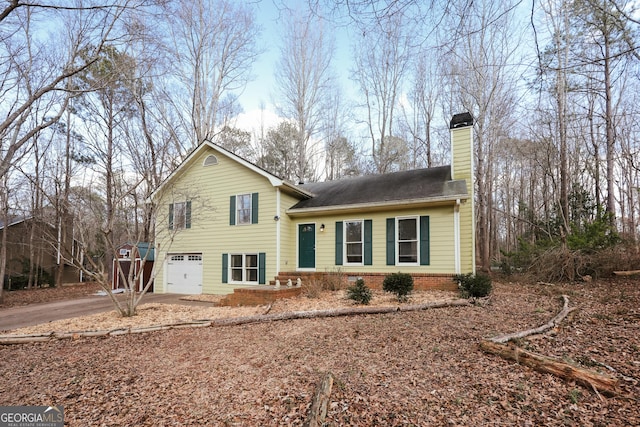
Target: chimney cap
<point x="461" y="120"/>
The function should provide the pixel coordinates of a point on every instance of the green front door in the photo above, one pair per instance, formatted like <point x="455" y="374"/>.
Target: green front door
<point x="306" y="246"/>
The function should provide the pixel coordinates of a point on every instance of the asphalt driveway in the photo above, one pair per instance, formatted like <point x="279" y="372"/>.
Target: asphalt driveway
<point x="35" y="314"/>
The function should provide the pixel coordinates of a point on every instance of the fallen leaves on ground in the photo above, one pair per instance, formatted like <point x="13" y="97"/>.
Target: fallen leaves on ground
<point x="414" y="368"/>
<point x="39" y="295"/>
<point x="154" y="314"/>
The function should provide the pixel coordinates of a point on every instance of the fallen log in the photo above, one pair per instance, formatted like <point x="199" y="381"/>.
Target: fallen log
<point x="626" y="273"/>
<point x="320" y="402"/>
<point x="592" y="380"/>
<point x="234" y="321"/>
<point x="549" y="325"/>
<point x="24" y="339"/>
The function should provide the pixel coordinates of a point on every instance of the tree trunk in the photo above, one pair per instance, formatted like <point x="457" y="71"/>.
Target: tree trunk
<point x="610" y="133"/>
<point x="4" y="206"/>
<point x="320" y="402"/>
<point x="592" y="380"/>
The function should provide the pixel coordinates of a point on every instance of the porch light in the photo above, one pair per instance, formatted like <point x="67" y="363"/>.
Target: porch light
<point x="322" y="228"/>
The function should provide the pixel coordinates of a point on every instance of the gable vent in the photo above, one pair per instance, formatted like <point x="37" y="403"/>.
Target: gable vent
<point x="210" y="160"/>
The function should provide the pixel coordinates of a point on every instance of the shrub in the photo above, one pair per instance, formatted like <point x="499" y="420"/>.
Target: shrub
<point x="473" y="286"/>
<point x="312" y="288"/>
<point x="400" y="284"/>
<point x="333" y="280"/>
<point x="359" y="293"/>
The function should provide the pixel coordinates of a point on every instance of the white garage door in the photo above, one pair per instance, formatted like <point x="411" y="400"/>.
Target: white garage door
<point x="184" y="274"/>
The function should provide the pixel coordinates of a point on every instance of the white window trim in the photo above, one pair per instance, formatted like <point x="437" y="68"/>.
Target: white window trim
<point x="244" y="280"/>
<point x="344" y="241"/>
<point x="397" y="240"/>
<point x="238" y="208"/>
<point x="182" y="225"/>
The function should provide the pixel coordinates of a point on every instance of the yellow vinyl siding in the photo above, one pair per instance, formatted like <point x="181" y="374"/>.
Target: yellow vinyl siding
<point x="441" y="241"/>
<point x="288" y="232"/>
<point x="462" y="168"/>
<point x="209" y="188"/>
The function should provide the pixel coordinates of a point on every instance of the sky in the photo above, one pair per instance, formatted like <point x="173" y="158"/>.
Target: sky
<point x="263" y="89"/>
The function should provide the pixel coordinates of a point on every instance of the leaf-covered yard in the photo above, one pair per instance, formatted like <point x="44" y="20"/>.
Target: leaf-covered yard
<point x="414" y="368"/>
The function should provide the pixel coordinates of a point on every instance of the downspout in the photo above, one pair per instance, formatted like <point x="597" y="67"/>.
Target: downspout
<point x="456" y="236"/>
<point x="278" y="230"/>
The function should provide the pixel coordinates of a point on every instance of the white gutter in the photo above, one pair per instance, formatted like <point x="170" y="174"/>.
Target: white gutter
<point x="456" y="237"/>
<point x="278" y="215"/>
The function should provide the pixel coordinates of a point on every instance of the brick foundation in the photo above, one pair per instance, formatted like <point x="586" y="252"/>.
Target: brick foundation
<point x="421" y="281"/>
<point x="258" y="295"/>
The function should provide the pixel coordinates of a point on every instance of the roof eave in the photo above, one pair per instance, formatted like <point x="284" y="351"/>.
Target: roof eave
<point x="378" y="206"/>
<point x="273" y="180"/>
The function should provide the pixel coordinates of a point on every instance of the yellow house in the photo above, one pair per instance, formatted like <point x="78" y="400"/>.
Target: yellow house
<point x="225" y="223"/>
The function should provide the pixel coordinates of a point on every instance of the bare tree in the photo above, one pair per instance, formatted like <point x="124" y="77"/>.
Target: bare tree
<point x="482" y="81"/>
<point x="340" y="154"/>
<point x="34" y="74"/>
<point x="213" y="45"/>
<point x="304" y="75"/>
<point x="419" y="115"/>
<point x="381" y="64"/>
<point x="279" y="151"/>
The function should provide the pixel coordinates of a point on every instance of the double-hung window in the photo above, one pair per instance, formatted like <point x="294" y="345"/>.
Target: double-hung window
<point x="244" y="268"/>
<point x="353" y="242"/>
<point x="407" y="240"/>
<point x="243" y="209"/>
<point x="243" y="206"/>
<point x="180" y="215"/>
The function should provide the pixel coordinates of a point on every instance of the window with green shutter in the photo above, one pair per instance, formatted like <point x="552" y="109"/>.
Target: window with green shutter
<point x="225" y="268"/>
<point x="368" y="238"/>
<point x="243" y="209"/>
<point x="408" y="240"/>
<point x="246" y="268"/>
<point x="424" y="240"/>
<point x="339" y="227"/>
<point x="391" y="241"/>
<point x="262" y="268"/>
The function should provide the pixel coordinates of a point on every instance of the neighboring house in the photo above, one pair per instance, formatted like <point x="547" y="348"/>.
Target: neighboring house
<point x="225" y="223"/>
<point x="33" y="241"/>
<point x="142" y="255"/>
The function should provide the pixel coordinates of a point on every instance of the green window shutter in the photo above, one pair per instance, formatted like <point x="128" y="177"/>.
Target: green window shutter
<point x="170" y="216"/>
<point x="232" y="210"/>
<point x="368" y="256"/>
<point x="187" y="217"/>
<point x="254" y="208"/>
<point x="391" y="241"/>
<point x="225" y="268"/>
<point x="262" y="267"/>
<point x="424" y="240"/>
<point x="339" y="242"/>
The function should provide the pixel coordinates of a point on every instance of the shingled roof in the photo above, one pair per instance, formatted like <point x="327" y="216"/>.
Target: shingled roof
<point x="431" y="184"/>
